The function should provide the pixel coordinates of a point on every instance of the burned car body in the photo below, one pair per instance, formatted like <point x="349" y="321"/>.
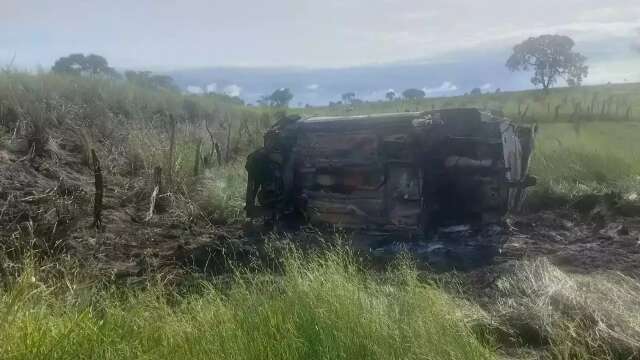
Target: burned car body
<point x="415" y="172"/>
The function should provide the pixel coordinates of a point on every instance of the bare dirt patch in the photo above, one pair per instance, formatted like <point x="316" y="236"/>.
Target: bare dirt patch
<point x="577" y="243"/>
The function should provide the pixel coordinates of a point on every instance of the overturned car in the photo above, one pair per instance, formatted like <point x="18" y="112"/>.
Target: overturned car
<point x="404" y="178"/>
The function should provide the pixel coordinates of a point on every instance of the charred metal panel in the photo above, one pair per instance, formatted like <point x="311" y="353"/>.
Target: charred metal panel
<point x="327" y="148"/>
<point x="403" y="171"/>
<point x="403" y="199"/>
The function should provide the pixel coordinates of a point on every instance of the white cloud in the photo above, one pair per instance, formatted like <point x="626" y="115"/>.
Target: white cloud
<point x="192" y="89"/>
<point x="625" y="13"/>
<point x="486" y="86"/>
<point x="313" y="87"/>
<point x="418" y="15"/>
<point x="232" y="90"/>
<point x="446" y="86"/>
<point x="615" y="71"/>
<point x="211" y="88"/>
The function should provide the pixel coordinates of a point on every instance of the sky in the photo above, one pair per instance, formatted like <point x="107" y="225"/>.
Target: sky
<point x="328" y="33"/>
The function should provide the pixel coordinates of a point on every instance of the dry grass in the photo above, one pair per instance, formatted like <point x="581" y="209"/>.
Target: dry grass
<point x="577" y="316"/>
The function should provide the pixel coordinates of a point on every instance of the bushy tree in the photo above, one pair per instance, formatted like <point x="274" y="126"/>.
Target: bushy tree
<point x="79" y="64"/>
<point x="476" y="92"/>
<point x="348" y="97"/>
<point x="413" y="94"/>
<point x="149" y="80"/>
<point x="551" y="57"/>
<point x="279" y="98"/>
<point x="390" y="95"/>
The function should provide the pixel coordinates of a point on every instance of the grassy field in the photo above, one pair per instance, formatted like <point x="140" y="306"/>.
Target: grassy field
<point x="593" y="158"/>
<point x="587" y="103"/>
<point x="325" y="305"/>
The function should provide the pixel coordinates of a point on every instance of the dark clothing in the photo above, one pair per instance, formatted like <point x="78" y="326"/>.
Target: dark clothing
<point x="264" y="180"/>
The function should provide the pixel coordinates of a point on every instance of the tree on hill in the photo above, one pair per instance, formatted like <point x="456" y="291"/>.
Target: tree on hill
<point x="149" y="80"/>
<point x="279" y="98"/>
<point x="413" y="94"/>
<point x="348" y="97"/>
<point x="475" y="92"/>
<point x="234" y="100"/>
<point x="390" y="95"/>
<point x="79" y="64"/>
<point x="551" y="57"/>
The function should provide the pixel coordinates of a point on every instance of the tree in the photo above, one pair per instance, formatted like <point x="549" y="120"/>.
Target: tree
<point x="348" y="97"/>
<point x="551" y="57"/>
<point x="413" y="94"/>
<point x="71" y="64"/>
<point x="79" y="64"/>
<point x="475" y="92"/>
<point x="390" y="95"/>
<point x="96" y="64"/>
<point x="149" y="80"/>
<point x="279" y="98"/>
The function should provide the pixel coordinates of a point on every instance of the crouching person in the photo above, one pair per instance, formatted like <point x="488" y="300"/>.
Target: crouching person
<point x="264" y="181"/>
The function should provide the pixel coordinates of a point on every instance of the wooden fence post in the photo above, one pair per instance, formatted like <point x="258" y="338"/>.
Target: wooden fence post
<point x="172" y="150"/>
<point x="218" y="154"/>
<point x="227" y="154"/>
<point x="99" y="186"/>
<point x="157" y="179"/>
<point x="196" y="165"/>
<point x="556" y="114"/>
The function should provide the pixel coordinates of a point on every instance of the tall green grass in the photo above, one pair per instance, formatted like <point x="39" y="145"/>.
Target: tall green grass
<point x="322" y="307"/>
<point x="220" y="193"/>
<point x="597" y="157"/>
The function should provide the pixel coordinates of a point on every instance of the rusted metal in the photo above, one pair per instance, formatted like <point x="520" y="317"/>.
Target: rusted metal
<point x="417" y="172"/>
